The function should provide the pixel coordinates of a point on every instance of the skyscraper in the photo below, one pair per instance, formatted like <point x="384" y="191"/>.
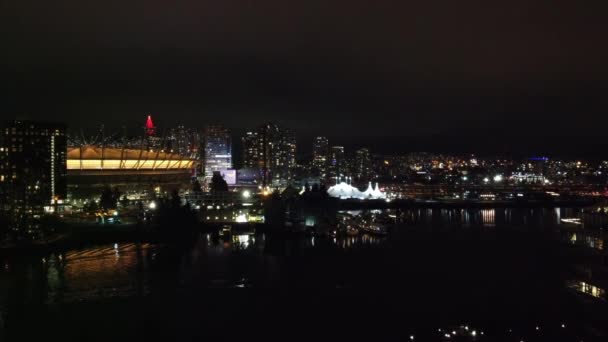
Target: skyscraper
<point x="218" y="150"/>
<point x="272" y="150"/>
<point x="32" y="170"/>
<point x="154" y="142"/>
<point x="337" y="162"/>
<point x="320" y="155"/>
<point x="150" y="128"/>
<point x="363" y="164"/>
<point x="185" y="141"/>
<point x="251" y="150"/>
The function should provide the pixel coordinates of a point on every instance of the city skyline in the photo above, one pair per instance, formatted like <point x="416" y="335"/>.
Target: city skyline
<point x="501" y="143"/>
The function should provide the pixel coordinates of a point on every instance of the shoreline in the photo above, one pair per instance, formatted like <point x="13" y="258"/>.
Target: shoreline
<point x="83" y="234"/>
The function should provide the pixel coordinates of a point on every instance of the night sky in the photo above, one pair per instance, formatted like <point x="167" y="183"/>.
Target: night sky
<point x="511" y="76"/>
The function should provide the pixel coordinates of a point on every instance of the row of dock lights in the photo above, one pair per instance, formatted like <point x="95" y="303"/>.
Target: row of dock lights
<point x="246" y="194"/>
<point x="496" y="179"/>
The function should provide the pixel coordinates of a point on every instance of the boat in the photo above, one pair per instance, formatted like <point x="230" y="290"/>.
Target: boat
<point x="573" y="222"/>
<point x="374" y="229"/>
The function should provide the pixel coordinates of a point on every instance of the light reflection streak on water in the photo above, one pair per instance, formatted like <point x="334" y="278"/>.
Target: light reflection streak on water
<point x="348" y="242"/>
<point x="488" y="217"/>
<point x="582" y="239"/>
<point x="243" y="241"/>
<point x="96" y="272"/>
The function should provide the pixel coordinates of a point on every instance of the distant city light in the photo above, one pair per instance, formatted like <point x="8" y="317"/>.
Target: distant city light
<point x="241" y="218"/>
<point x="498" y="178"/>
<point x="152" y="205"/>
<point x="246" y="194"/>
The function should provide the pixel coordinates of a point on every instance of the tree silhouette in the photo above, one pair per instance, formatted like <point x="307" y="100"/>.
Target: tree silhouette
<point x="196" y="186"/>
<point x="124" y="201"/>
<point x="5" y="224"/>
<point x="176" y="201"/>
<point x="109" y="198"/>
<point x="218" y="183"/>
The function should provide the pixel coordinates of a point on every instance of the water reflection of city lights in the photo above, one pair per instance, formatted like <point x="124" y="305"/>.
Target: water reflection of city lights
<point x="242" y="240"/>
<point x="587" y="240"/>
<point x="488" y="217"/>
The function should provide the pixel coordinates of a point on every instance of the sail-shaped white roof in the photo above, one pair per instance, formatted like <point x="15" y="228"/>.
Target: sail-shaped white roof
<point x="343" y="190"/>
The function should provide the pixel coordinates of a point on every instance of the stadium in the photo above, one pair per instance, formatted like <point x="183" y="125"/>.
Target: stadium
<point x="134" y="171"/>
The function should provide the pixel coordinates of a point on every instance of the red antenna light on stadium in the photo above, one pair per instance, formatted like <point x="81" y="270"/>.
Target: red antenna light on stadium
<point x="150" y="128"/>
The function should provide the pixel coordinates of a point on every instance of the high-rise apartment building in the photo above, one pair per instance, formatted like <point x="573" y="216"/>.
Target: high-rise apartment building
<point x="337" y="162"/>
<point x="320" y="155"/>
<point x="185" y="141"/>
<point x="363" y="165"/>
<point x="251" y="151"/>
<point x="272" y="150"/>
<point x="32" y="171"/>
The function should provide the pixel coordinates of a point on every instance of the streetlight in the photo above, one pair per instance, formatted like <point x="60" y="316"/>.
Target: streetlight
<point x="152" y="205"/>
<point x="246" y="194"/>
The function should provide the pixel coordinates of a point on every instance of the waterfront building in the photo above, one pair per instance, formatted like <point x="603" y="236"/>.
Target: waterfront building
<point x="345" y="190"/>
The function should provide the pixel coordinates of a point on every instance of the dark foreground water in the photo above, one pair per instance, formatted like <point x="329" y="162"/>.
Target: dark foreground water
<point x="483" y="275"/>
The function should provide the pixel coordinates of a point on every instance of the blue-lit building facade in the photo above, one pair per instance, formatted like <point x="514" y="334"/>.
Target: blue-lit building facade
<point x="218" y="150"/>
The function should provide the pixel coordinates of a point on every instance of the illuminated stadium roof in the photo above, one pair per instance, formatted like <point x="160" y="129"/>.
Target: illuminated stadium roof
<point x="97" y="158"/>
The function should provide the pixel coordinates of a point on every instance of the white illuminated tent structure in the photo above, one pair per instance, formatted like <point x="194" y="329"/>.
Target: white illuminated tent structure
<point x="369" y="192"/>
<point x="344" y="190"/>
<point x="377" y="194"/>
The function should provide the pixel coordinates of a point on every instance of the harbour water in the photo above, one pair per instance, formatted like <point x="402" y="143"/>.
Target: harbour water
<point x="515" y="274"/>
